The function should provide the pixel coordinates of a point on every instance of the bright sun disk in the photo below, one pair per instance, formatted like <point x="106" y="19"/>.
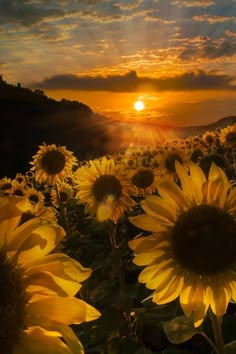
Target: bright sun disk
<point x="139" y="105"/>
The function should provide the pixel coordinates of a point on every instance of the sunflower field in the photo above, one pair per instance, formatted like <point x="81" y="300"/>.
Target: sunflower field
<point x="132" y="253"/>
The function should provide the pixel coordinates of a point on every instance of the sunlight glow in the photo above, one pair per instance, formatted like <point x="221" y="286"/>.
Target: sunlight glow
<point x="139" y="105"/>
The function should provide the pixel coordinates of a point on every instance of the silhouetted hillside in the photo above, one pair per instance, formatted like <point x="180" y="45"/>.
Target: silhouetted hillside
<point x="29" y="118"/>
<point x="185" y="132"/>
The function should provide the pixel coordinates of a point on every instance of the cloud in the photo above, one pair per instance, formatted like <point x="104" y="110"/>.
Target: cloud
<point x="26" y="13"/>
<point x="213" y="19"/>
<point x="224" y="49"/>
<point x="131" y="82"/>
<point x="193" y="3"/>
<point x="208" y="49"/>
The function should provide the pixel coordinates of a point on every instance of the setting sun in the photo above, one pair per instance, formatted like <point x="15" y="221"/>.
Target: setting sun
<point x="139" y="105"/>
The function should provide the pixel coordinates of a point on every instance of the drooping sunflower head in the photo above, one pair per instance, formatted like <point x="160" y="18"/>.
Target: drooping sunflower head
<point x="105" y="189"/>
<point x="37" y="302"/>
<point x="228" y="136"/>
<point x="191" y="252"/>
<point x="170" y="156"/>
<point x="52" y="163"/>
<point x="196" y="155"/>
<point x="209" y="138"/>
<point x="219" y="159"/>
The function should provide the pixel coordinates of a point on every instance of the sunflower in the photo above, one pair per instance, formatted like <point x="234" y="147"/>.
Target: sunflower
<point x="20" y="178"/>
<point x="52" y="163"/>
<point x="34" y="195"/>
<point x="169" y="155"/>
<point x="228" y="136"/>
<point x="5" y="186"/>
<point x="39" y="210"/>
<point x="18" y="188"/>
<point x="144" y="180"/>
<point x="191" y="253"/>
<point x="220" y="160"/>
<point x="209" y="138"/>
<point x="37" y="302"/>
<point x="65" y="192"/>
<point x="105" y="189"/>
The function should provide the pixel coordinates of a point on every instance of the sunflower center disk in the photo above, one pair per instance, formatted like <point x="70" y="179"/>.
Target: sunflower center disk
<point x="204" y="241"/>
<point x="34" y="198"/>
<point x="63" y="197"/>
<point x="170" y="161"/>
<point x="12" y="304"/>
<point x="53" y="162"/>
<point x="231" y="138"/>
<point x="106" y="185"/>
<point x="143" y="178"/>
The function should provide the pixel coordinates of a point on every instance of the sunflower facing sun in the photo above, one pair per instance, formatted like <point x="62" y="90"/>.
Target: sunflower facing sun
<point x="37" y="298"/>
<point x="52" y="163"/>
<point x="105" y="189"/>
<point x="191" y="253"/>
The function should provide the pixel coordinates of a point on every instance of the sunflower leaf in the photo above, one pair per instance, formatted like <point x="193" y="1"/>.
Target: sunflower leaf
<point x="230" y="348"/>
<point x="179" y="329"/>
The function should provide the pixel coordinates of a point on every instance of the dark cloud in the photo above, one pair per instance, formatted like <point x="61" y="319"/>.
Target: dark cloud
<point x="131" y="82"/>
<point x="26" y="13"/>
<point x="209" y="49"/>
<point x="224" y="49"/>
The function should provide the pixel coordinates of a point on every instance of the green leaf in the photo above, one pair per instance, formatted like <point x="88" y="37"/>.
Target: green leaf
<point x="230" y="348"/>
<point x="179" y="329"/>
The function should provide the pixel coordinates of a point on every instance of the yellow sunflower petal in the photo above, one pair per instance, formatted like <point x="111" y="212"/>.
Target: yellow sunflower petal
<point x="186" y="182"/>
<point x="149" y="257"/>
<point x="71" y="267"/>
<point x="34" y="239"/>
<point x="220" y="298"/>
<point x="169" y="190"/>
<point x="35" y="341"/>
<point x="217" y="173"/>
<point x="199" y="178"/>
<point x="12" y="206"/>
<point x="49" y="326"/>
<point x="171" y="292"/>
<point x="160" y="281"/>
<point x="67" y="310"/>
<point x="143" y="244"/>
<point x="157" y="207"/>
<point x="65" y="271"/>
<point x="146" y="222"/>
<point x="199" y="315"/>
<point x="230" y="203"/>
<point x="150" y="273"/>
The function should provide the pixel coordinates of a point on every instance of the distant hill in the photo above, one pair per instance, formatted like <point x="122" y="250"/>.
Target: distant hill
<point x="29" y="118"/>
<point x="185" y="132"/>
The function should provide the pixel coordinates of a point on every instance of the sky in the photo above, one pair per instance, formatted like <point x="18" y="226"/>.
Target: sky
<point x="177" y="56"/>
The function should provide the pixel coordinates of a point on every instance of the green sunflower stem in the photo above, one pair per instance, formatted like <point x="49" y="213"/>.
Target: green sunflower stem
<point x="121" y="278"/>
<point x="63" y="213"/>
<point x="209" y="341"/>
<point x="216" y="326"/>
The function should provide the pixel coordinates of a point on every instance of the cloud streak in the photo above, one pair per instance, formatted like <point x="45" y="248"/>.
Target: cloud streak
<point x="131" y="82"/>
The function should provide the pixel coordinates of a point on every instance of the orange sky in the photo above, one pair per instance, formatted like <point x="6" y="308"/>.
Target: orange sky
<point x="174" y="108"/>
<point x="178" y="55"/>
